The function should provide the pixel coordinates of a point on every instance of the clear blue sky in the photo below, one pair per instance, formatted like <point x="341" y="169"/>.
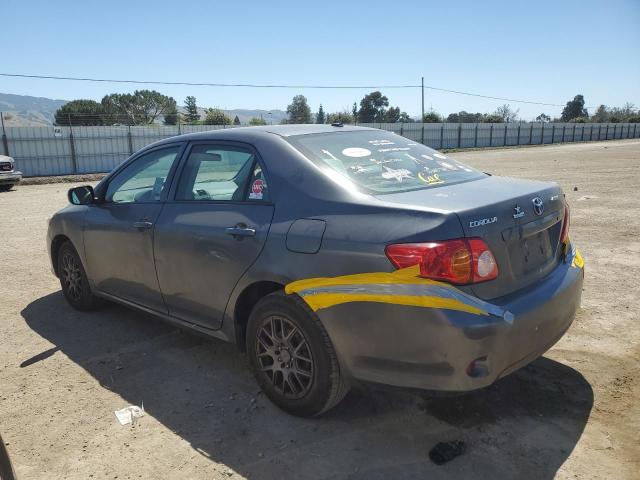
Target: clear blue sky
<point x="540" y="50"/>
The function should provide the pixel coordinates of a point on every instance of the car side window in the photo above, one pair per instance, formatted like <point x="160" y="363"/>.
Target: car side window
<point x="144" y="179"/>
<point x="214" y="172"/>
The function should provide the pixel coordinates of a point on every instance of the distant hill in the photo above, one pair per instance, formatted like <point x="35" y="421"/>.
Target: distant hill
<point x="25" y="111"/>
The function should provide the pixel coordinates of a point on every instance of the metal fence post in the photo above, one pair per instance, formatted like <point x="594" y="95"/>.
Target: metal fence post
<point x="542" y="135"/>
<point x="491" y="135"/>
<point x="553" y="133"/>
<point x="505" y="134"/>
<point x="531" y="134"/>
<point x="475" y="139"/>
<point x="401" y="129"/>
<point x="5" y="142"/>
<point x="564" y="127"/>
<point x="459" y="135"/>
<point x="422" y="135"/>
<point x="442" y="136"/>
<point x="635" y="126"/>
<point x="519" y="125"/>
<point x="74" y="160"/>
<point x="574" y="133"/>
<point x="130" y="140"/>
<point x="599" y="131"/>
<point x="590" y="132"/>
<point x="615" y="128"/>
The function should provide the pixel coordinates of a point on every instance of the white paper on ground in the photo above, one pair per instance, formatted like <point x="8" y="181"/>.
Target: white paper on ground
<point x="129" y="414"/>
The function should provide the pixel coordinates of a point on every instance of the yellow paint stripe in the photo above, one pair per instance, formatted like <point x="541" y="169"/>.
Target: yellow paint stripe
<point x="325" y="300"/>
<point x="407" y="276"/>
<point x="577" y="261"/>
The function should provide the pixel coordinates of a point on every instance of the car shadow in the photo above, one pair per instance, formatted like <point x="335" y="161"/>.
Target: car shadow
<point x="525" y="425"/>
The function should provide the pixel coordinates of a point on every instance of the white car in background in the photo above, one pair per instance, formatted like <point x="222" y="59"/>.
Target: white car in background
<point x="8" y="175"/>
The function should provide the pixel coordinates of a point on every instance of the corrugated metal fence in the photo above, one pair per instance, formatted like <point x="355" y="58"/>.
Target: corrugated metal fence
<point x="68" y="150"/>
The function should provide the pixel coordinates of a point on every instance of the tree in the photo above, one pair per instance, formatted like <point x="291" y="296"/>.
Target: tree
<point x="140" y="108"/>
<point x="432" y="117"/>
<point x="623" y="114"/>
<point x="464" y="117"/>
<point x="492" y="118"/>
<point x="372" y="107"/>
<point x="257" y="121"/>
<point x="298" y="110"/>
<point x="190" y="106"/>
<point x="215" y="116"/>
<point x="508" y="115"/>
<point x="601" y="115"/>
<point x="236" y="121"/>
<point x="574" y="109"/>
<point x="320" y="116"/>
<point x="543" y="117"/>
<point x="340" y="117"/>
<point x="579" y="120"/>
<point x="392" y="115"/>
<point x="80" y="112"/>
<point x="354" y="112"/>
<point x="405" y="118"/>
<point x="171" y="115"/>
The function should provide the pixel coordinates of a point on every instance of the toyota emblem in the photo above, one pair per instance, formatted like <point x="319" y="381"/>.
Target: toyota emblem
<point x="538" y="206"/>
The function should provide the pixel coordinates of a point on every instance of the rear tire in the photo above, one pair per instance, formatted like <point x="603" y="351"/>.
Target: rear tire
<point x="73" y="279"/>
<point x="6" y="188"/>
<point x="292" y="357"/>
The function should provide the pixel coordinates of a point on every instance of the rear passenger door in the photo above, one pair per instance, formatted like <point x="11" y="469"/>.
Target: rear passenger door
<point x="211" y="230"/>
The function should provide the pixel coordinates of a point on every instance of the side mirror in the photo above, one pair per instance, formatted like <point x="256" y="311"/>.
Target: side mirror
<point x="81" y="195"/>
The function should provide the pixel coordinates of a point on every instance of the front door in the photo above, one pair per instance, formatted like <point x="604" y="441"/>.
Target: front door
<point x="119" y="233"/>
<point x="212" y="231"/>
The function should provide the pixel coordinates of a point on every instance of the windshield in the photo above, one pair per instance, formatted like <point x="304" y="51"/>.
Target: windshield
<point x="383" y="162"/>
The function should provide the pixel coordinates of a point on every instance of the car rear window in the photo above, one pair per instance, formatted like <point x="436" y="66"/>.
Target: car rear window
<point x="383" y="162"/>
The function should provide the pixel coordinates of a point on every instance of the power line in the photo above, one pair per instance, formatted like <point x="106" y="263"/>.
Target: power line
<point x="202" y="84"/>
<point x="254" y="85"/>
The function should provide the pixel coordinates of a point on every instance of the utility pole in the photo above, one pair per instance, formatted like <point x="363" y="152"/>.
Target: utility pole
<point x="422" y="89"/>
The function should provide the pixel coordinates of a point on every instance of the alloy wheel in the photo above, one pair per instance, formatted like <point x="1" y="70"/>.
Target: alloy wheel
<point x="72" y="276"/>
<point x="284" y="357"/>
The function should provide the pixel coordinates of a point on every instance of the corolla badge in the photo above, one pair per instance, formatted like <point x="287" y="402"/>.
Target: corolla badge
<point x="483" y="221"/>
<point x="518" y="212"/>
<point x="538" y="205"/>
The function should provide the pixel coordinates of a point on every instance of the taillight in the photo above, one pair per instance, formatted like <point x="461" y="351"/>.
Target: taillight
<point x="460" y="261"/>
<point x="564" y="234"/>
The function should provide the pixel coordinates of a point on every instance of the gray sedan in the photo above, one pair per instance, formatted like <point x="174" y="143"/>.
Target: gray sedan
<point x="329" y="254"/>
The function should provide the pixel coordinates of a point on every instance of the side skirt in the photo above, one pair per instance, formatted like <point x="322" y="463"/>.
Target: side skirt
<point x="219" y="334"/>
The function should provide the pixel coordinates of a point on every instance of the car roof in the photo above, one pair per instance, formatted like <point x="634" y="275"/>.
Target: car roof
<point x="245" y="133"/>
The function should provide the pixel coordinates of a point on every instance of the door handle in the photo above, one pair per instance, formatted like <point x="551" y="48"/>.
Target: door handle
<point x="240" y="231"/>
<point x="143" y="224"/>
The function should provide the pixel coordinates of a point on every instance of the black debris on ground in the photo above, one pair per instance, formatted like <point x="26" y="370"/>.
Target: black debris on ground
<point x="444" y="452"/>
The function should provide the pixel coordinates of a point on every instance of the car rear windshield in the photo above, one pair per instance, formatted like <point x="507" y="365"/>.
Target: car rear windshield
<point x="383" y="162"/>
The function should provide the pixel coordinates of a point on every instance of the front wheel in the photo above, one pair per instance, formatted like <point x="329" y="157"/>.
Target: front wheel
<point x="73" y="279"/>
<point x="292" y="357"/>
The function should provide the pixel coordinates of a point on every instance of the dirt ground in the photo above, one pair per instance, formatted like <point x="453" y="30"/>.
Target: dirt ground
<point x="575" y="413"/>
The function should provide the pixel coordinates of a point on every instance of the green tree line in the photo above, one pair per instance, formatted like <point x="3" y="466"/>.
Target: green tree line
<point x="144" y="107"/>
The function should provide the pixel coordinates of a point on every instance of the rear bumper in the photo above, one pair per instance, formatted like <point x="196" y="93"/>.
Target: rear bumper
<point x="432" y="348"/>
<point x="10" y="178"/>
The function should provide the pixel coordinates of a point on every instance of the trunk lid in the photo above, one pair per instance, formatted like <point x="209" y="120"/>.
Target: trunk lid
<point x="523" y="236"/>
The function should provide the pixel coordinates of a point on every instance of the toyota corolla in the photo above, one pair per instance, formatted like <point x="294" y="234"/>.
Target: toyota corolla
<point x="329" y="254"/>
